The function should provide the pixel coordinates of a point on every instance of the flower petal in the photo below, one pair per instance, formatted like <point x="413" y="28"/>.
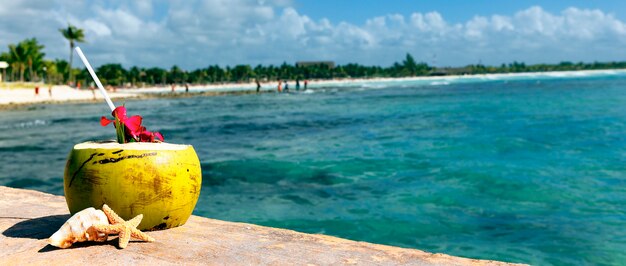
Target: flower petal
<point x="158" y="136"/>
<point x="105" y="121"/>
<point x="134" y="124"/>
<point x="145" y="136"/>
<point x="120" y="113"/>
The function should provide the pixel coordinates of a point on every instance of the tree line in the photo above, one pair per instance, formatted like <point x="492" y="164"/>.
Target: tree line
<point x="27" y="63"/>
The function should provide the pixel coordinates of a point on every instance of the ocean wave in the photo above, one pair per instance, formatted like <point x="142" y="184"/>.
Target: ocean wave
<point x="566" y="74"/>
<point x="373" y="86"/>
<point x="27" y="124"/>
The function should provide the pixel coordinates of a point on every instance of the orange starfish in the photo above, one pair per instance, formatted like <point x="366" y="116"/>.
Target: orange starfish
<point x="125" y="229"/>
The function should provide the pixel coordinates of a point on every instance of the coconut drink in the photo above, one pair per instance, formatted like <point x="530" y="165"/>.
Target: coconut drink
<point x="162" y="181"/>
<point x="136" y="175"/>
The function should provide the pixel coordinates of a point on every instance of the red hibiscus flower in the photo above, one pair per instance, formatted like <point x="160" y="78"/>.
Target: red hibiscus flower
<point x="131" y="131"/>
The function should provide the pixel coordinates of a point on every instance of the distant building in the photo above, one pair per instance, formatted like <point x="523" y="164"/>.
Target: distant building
<point x="4" y="66"/>
<point x="329" y="64"/>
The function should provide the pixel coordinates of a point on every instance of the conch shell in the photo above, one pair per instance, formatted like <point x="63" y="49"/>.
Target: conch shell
<point x="78" y="228"/>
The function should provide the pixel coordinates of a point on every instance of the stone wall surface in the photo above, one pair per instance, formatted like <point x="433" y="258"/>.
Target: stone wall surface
<point x="28" y="218"/>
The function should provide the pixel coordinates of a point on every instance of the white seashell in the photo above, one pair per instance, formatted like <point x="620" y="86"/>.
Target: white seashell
<point x="78" y="228"/>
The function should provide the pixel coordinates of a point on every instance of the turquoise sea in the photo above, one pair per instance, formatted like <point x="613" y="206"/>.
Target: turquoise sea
<point x="528" y="169"/>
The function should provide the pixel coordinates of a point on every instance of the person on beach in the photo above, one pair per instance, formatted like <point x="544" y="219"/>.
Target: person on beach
<point x="173" y="87"/>
<point x="297" y="84"/>
<point x="286" y="86"/>
<point x="50" y="90"/>
<point x="78" y="85"/>
<point x="280" y="84"/>
<point x="306" y="82"/>
<point x="258" y="86"/>
<point x="36" y="91"/>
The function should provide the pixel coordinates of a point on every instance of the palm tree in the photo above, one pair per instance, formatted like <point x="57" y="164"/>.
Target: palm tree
<point x="26" y="54"/>
<point x="409" y="65"/>
<point x="34" y="57"/>
<point x="18" y="59"/>
<point x="72" y="34"/>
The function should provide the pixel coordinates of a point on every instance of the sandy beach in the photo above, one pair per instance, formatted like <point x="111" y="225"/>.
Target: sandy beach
<point x="15" y="97"/>
<point x="54" y="94"/>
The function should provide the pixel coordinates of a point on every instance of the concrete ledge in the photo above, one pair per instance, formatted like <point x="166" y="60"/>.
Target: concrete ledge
<point x="28" y="218"/>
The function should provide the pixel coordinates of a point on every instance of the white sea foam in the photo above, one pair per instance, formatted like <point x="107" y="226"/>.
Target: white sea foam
<point x="26" y="124"/>
<point x="373" y="86"/>
<point x="34" y="123"/>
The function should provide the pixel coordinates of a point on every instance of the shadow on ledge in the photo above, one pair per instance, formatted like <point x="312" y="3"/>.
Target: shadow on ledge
<point x="37" y="228"/>
<point x="87" y="244"/>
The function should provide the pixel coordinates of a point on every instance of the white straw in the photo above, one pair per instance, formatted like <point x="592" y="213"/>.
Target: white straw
<point x="95" y="78"/>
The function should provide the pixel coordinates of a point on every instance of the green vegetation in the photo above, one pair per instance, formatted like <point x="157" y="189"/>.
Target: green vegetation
<point x="26" y="55"/>
<point x="27" y="64"/>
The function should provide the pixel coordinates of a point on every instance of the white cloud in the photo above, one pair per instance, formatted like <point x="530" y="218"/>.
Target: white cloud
<point x="143" y="7"/>
<point x="429" y="22"/>
<point x="476" y="28"/>
<point x="198" y="33"/>
<point x="502" y="23"/>
<point x="536" y="21"/>
<point x="96" y="27"/>
<point x="590" y="24"/>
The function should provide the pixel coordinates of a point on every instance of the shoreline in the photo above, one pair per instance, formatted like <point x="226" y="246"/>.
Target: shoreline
<point x="16" y="98"/>
<point x="120" y="96"/>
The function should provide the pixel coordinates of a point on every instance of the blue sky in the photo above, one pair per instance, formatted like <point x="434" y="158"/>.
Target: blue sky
<point x="198" y="33"/>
